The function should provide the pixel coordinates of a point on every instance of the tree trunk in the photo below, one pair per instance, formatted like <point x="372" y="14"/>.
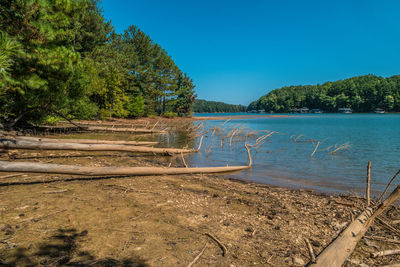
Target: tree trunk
<point x="33" y="167"/>
<point x="107" y="129"/>
<point x="340" y="249"/>
<point x="22" y="144"/>
<point x="84" y="141"/>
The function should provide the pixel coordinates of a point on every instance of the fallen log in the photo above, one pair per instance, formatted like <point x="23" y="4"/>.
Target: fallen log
<point x="96" y="128"/>
<point x="117" y="124"/>
<point x="128" y="130"/>
<point x="84" y="141"/>
<point x="36" y="145"/>
<point x="342" y="247"/>
<point x="33" y="167"/>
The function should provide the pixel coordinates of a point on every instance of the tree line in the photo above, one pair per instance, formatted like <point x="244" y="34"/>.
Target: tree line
<point x="204" y="106"/>
<point x="362" y="94"/>
<point x="63" y="58"/>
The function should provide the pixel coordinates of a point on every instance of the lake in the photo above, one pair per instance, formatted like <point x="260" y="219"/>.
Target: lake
<point x="284" y="159"/>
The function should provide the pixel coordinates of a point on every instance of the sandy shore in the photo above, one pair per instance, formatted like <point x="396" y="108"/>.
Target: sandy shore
<point x="55" y="220"/>
<point x="162" y="220"/>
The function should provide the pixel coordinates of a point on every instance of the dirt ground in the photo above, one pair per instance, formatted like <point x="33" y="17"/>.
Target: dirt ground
<point x="59" y="220"/>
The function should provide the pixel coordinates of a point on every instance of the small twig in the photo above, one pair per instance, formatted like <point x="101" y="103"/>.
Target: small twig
<point x="224" y="249"/>
<point x="230" y="140"/>
<point x="154" y="126"/>
<point x="349" y="204"/>
<point x="387" y="187"/>
<point x="392" y="265"/>
<point x="310" y="250"/>
<point x="198" y="256"/>
<point x="385" y="253"/>
<point x="381" y="238"/>
<point x="183" y="159"/>
<point x="11" y="175"/>
<point x="315" y="150"/>
<point x="298" y="137"/>
<point x="344" y="146"/>
<point x="388" y="226"/>
<point x="55" y="192"/>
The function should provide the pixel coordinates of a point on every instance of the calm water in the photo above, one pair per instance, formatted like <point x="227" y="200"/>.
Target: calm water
<point x="282" y="161"/>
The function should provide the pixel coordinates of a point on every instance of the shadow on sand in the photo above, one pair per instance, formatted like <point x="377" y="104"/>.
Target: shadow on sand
<point x="61" y="249"/>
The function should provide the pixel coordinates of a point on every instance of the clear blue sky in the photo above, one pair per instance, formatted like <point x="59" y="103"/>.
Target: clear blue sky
<point x="237" y="51"/>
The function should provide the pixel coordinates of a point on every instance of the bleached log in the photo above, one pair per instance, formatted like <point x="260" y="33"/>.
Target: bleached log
<point x="99" y="129"/>
<point x="36" y="145"/>
<point x="33" y="167"/>
<point x="342" y="247"/>
<point x="127" y="130"/>
<point x="84" y="141"/>
<point x="385" y="253"/>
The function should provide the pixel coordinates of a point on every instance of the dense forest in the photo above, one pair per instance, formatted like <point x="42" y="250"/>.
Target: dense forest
<point x="362" y="94"/>
<point x="62" y="58"/>
<point x="204" y="106"/>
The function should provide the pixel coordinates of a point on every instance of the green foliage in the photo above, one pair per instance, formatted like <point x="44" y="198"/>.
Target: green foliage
<point x="170" y="114"/>
<point x="204" y="106"/>
<point x="62" y="55"/>
<point x="362" y="94"/>
<point x="51" y="120"/>
<point x="136" y="106"/>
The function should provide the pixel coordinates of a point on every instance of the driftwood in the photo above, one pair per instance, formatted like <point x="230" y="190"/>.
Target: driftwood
<point x="11" y="175"/>
<point x="33" y="167"/>
<point x="128" y="130"/>
<point x="342" y="247"/>
<point x="198" y="256"/>
<point x="387" y="187"/>
<point x="96" y="128"/>
<point x="222" y="246"/>
<point x="367" y="193"/>
<point x="385" y="253"/>
<point x="37" y="145"/>
<point x="116" y="124"/>
<point x="310" y="250"/>
<point x="381" y="238"/>
<point x="83" y="141"/>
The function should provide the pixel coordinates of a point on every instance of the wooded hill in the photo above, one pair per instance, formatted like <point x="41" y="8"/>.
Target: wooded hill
<point x="362" y="94"/>
<point x="62" y="58"/>
<point x="204" y="106"/>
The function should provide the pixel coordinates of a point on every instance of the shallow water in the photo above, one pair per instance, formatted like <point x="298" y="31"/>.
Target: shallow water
<point x="282" y="161"/>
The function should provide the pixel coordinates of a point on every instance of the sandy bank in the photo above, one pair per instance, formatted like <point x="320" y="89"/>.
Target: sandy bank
<point x="162" y="220"/>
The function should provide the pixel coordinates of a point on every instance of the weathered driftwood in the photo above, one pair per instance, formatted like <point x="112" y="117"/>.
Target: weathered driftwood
<point x="96" y="128"/>
<point x="33" y="167"/>
<point x="222" y="246"/>
<point x="387" y="187"/>
<point x="84" y="141"/>
<point x="367" y="193"/>
<point x="36" y="145"/>
<point x="11" y="175"/>
<point x="127" y="130"/>
<point x="381" y="238"/>
<point x="385" y="253"/>
<point x="342" y="247"/>
<point x="111" y="124"/>
<point x="198" y="256"/>
<point x="310" y="250"/>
